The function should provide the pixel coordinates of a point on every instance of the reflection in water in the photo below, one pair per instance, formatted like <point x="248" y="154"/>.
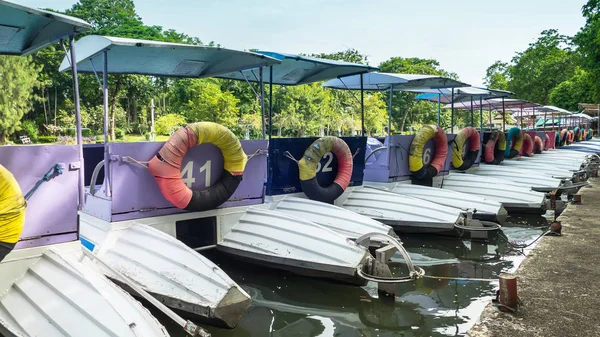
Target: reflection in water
<point x="286" y="305"/>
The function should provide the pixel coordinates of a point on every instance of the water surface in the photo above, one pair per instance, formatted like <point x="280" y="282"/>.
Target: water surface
<point x="286" y="305"/>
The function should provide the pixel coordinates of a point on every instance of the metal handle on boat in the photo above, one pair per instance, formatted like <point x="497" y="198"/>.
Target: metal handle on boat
<point x="376" y="150"/>
<point x="414" y="271"/>
<point x="190" y="327"/>
<point x="95" y="177"/>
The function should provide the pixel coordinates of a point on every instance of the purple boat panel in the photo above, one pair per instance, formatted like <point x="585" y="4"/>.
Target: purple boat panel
<point x="393" y="166"/>
<point x="52" y="209"/>
<point x="135" y="193"/>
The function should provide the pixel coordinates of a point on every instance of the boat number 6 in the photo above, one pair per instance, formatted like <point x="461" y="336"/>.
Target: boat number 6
<point x="187" y="174"/>
<point x="326" y="167"/>
<point x="427" y="156"/>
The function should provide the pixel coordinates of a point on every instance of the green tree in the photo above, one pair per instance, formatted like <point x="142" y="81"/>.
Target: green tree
<point x="496" y="77"/>
<point x="208" y="103"/>
<point x="168" y="123"/>
<point x="18" y="76"/>
<point x="578" y="89"/>
<point x="588" y="42"/>
<point x="541" y="67"/>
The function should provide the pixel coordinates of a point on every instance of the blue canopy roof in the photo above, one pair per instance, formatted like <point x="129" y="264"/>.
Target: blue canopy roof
<point x="25" y="30"/>
<point x="144" y="57"/>
<point x="296" y="69"/>
<point x="400" y="82"/>
<point x="461" y="95"/>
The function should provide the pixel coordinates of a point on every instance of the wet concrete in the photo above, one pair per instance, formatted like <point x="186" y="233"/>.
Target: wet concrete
<point x="559" y="282"/>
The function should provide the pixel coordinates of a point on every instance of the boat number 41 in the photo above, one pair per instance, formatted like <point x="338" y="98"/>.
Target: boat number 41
<point x="187" y="174"/>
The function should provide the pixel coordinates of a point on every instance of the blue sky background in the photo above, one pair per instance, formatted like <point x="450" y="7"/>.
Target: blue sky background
<point x="465" y="36"/>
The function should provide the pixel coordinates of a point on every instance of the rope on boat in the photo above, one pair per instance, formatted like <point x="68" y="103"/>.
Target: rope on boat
<point x="492" y="227"/>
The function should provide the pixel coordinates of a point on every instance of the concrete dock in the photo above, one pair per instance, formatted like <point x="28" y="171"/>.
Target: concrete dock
<point x="559" y="282"/>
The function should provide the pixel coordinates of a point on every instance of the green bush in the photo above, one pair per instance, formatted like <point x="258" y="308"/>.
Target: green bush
<point x="168" y="123"/>
<point x="47" y="139"/>
<point x="147" y="136"/>
<point x="119" y="133"/>
<point x="29" y="129"/>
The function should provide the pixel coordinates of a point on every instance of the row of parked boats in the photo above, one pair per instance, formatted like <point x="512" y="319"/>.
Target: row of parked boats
<point x="331" y="208"/>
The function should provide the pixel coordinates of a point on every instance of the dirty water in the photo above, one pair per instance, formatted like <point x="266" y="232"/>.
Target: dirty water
<point x="285" y="305"/>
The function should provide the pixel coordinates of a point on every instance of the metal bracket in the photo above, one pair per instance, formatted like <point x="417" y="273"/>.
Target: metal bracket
<point x="74" y="166"/>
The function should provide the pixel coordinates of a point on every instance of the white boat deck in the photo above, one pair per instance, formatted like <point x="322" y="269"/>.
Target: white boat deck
<point x="286" y="242"/>
<point x="513" y="196"/>
<point x="403" y="213"/>
<point x="546" y="169"/>
<point x="48" y="291"/>
<point x="168" y="269"/>
<point x="489" y="209"/>
<point x="527" y="177"/>
<point x="338" y="219"/>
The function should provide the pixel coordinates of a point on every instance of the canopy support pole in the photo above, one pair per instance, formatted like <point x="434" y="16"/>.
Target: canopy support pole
<point x="521" y="117"/>
<point x="439" y="109"/>
<point x="107" y="181"/>
<point x="452" y="113"/>
<point x="270" y="102"/>
<point x="472" y="120"/>
<point x="481" y="114"/>
<point x="362" y="106"/>
<point x="262" y="104"/>
<point x="503" y="116"/>
<point x="78" y="122"/>
<point x="389" y="130"/>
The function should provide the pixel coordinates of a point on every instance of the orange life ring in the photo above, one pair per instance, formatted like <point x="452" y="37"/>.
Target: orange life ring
<point x="527" y="147"/>
<point x="494" y="148"/>
<point x="166" y="166"/>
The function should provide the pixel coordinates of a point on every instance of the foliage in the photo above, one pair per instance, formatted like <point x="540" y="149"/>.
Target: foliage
<point x="30" y="129"/>
<point x="578" y="89"/>
<point x="168" y="123"/>
<point x="18" y="77"/>
<point x="545" y="64"/>
<point x="47" y="139"/>
<point x="207" y="103"/>
<point x="496" y="76"/>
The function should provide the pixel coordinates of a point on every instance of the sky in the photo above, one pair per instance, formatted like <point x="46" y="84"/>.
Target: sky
<point x="465" y="36"/>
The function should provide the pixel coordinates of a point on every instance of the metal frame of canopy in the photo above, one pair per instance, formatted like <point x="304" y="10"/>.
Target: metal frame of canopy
<point x="552" y="110"/>
<point x="395" y="82"/>
<point x="296" y="70"/>
<point x="504" y="104"/>
<point x="465" y="100"/>
<point x="26" y="30"/>
<point x="153" y="58"/>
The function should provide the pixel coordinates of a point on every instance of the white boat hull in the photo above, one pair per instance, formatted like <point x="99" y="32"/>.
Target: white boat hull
<point x="403" y="213"/>
<point x="167" y="269"/>
<point x="289" y="243"/>
<point x="48" y="291"/>
<point x="484" y="209"/>
<point x="514" y="197"/>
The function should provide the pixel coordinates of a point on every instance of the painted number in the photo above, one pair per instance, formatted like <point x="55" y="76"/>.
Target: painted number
<point x="206" y="167"/>
<point x="187" y="174"/>
<point x="427" y="156"/>
<point x="326" y="167"/>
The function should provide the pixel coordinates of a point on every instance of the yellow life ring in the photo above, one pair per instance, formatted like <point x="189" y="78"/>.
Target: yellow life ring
<point x="415" y="159"/>
<point x="12" y="208"/>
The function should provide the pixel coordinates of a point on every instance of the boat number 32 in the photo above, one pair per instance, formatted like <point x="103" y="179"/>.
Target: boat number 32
<point x="187" y="173"/>
<point x="327" y="167"/>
